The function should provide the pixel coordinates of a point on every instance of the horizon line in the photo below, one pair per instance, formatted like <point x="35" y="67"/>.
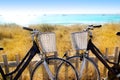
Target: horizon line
<point x="44" y="14"/>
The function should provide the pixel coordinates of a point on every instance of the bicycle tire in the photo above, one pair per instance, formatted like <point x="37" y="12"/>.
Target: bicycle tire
<point x="58" y="73"/>
<point x="90" y="70"/>
<point x="2" y="76"/>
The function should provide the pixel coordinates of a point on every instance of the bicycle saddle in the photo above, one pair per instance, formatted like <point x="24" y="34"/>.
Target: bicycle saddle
<point x="118" y="33"/>
<point x="1" y="48"/>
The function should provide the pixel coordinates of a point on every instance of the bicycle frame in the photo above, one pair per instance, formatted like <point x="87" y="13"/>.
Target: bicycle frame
<point x="24" y="63"/>
<point x="83" y="65"/>
<point x="99" y="55"/>
<point x="48" y="70"/>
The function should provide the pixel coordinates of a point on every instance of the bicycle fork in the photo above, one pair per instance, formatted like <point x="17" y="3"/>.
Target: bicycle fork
<point x="48" y="70"/>
<point x="82" y="67"/>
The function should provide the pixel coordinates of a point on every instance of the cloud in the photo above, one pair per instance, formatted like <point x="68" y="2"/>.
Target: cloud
<point x="18" y="19"/>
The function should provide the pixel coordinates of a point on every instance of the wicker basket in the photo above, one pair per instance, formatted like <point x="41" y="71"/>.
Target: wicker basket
<point x="47" y="41"/>
<point x="79" y="40"/>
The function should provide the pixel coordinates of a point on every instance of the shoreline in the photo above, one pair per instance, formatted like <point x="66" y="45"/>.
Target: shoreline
<point x="61" y="19"/>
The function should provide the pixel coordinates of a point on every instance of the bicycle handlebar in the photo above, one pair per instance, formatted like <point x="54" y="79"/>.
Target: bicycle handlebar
<point x="29" y="29"/>
<point x="97" y="26"/>
<point x="90" y="27"/>
<point x="118" y="33"/>
<point x="34" y="32"/>
<point x="1" y="48"/>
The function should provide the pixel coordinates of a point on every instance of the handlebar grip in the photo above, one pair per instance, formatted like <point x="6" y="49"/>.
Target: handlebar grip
<point x="1" y="48"/>
<point x="97" y="26"/>
<point x="26" y="28"/>
<point x="118" y="33"/>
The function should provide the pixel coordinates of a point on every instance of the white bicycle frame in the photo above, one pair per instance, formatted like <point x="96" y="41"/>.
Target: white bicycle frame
<point x="48" y="70"/>
<point x="82" y="66"/>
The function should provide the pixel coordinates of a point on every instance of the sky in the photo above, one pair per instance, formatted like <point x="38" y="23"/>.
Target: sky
<point x="25" y="10"/>
<point x="28" y="7"/>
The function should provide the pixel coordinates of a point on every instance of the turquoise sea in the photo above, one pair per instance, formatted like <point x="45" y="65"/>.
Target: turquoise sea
<point x="79" y="18"/>
<point x="73" y="19"/>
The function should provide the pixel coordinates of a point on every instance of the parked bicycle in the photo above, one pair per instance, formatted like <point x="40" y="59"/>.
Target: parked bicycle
<point x="87" y="68"/>
<point x="44" y="61"/>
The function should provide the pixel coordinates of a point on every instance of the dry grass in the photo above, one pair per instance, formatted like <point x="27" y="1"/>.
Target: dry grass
<point x="15" y="40"/>
<point x="105" y="37"/>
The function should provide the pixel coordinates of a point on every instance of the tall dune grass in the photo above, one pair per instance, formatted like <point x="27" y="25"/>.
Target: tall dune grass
<point x="15" y="40"/>
<point x="105" y="37"/>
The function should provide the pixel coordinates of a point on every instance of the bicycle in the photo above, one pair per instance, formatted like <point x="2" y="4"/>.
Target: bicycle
<point x="37" y="49"/>
<point x="81" y="42"/>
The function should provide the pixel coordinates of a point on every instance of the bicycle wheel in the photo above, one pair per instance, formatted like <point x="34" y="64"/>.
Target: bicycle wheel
<point x="37" y="72"/>
<point x="2" y="76"/>
<point x="64" y="72"/>
<point x="88" y="70"/>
